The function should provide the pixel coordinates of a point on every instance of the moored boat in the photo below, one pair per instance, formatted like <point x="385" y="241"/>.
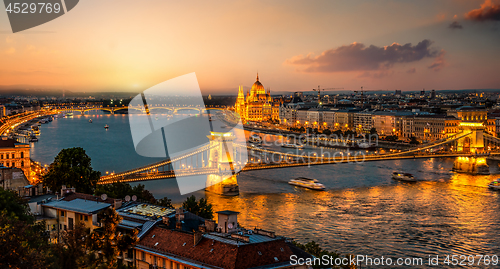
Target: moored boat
<point x="403" y="177"/>
<point x="308" y="183"/>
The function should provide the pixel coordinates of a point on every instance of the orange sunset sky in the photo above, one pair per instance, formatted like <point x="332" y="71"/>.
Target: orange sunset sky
<point x="124" y="45"/>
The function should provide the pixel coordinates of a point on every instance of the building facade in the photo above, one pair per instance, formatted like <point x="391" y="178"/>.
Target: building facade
<point x="14" y="154"/>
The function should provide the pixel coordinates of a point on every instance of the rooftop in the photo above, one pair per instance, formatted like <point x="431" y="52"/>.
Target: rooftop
<point x="142" y="211"/>
<point x="227" y="212"/>
<point x="211" y="250"/>
<point x="78" y="205"/>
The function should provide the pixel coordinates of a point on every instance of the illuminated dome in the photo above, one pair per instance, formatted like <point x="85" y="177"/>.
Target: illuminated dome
<point x="257" y="87"/>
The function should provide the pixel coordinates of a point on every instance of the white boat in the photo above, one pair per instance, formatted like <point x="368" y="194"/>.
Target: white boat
<point x="33" y="139"/>
<point x="293" y="146"/>
<point x="308" y="183"/>
<point x="255" y="138"/>
<point x="106" y="127"/>
<point x="403" y="177"/>
<point x="90" y="121"/>
<point x="494" y="185"/>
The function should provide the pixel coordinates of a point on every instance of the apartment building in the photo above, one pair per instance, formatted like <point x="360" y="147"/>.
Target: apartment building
<point x="15" y="154"/>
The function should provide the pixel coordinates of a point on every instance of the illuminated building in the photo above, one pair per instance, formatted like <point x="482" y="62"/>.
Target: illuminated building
<point x="14" y="154"/>
<point x="258" y="104"/>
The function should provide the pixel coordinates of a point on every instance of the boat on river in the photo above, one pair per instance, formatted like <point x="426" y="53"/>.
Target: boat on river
<point x="495" y="184"/>
<point x="255" y="138"/>
<point x="106" y="127"/>
<point x="308" y="183"/>
<point x="293" y="146"/>
<point x="403" y="177"/>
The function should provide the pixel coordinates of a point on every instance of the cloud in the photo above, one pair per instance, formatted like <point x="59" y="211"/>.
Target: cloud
<point x="412" y="70"/>
<point x="455" y="25"/>
<point x="439" y="62"/>
<point x="10" y="51"/>
<point x="489" y="11"/>
<point x="358" y="57"/>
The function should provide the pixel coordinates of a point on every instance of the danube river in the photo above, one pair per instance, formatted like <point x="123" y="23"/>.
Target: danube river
<point x="362" y="211"/>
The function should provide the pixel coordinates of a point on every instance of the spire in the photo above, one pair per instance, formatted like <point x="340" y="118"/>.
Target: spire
<point x="240" y="92"/>
<point x="257" y="76"/>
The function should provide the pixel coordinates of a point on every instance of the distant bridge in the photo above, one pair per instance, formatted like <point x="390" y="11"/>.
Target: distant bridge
<point x="112" y="110"/>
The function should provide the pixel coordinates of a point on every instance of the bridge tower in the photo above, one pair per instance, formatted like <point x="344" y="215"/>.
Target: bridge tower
<point x="222" y="159"/>
<point x="475" y="141"/>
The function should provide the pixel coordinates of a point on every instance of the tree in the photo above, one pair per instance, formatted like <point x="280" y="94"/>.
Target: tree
<point x="12" y="206"/>
<point x="22" y="241"/>
<point x="22" y="244"/>
<point x="201" y="208"/>
<point x="108" y="241"/>
<point x="327" y="132"/>
<point x="414" y="141"/>
<point x="71" y="250"/>
<point x="72" y="167"/>
<point x="119" y="190"/>
<point x="165" y="202"/>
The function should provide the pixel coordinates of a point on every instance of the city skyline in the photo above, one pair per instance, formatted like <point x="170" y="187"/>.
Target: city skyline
<point x="294" y="46"/>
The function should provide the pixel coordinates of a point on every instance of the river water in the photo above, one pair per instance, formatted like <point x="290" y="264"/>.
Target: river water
<point x="363" y="211"/>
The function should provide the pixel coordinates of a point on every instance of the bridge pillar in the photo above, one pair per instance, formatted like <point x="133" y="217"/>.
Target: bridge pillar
<point x="220" y="158"/>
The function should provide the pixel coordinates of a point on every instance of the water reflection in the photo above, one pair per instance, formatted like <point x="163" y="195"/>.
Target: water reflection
<point x="459" y="216"/>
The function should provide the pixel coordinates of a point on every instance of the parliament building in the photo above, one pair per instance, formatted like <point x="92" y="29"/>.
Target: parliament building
<point x="258" y="105"/>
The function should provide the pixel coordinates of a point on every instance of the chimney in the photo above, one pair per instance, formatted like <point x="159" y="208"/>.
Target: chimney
<point x="117" y="203"/>
<point x="179" y="214"/>
<point x="210" y="225"/>
<point x="197" y="237"/>
<point x="166" y="221"/>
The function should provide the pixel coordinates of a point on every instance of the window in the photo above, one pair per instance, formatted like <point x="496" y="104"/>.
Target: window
<point x="22" y="164"/>
<point x="13" y="156"/>
<point x="7" y="156"/>
<point x="1" y="156"/>
<point x="22" y="154"/>
<point x="86" y="218"/>
<point x="62" y="213"/>
<point x="143" y="255"/>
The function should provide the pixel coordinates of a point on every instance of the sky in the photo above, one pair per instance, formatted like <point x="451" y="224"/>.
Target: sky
<point x="124" y="45"/>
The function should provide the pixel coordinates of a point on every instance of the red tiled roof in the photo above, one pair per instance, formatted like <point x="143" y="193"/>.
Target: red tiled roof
<point x="77" y="195"/>
<point x="224" y="255"/>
